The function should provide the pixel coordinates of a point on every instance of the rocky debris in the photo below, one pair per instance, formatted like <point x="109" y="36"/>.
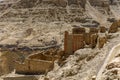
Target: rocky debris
<point x="7" y="61"/>
<point x="28" y="32"/>
<point x="112" y="75"/>
<point x="62" y="3"/>
<point x="93" y="40"/>
<point x="103" y="29"/>
<point x="111" y="19"/>
<point x="99" y="2"/>
<point x="33" y="66"/>
<point x="87" y="37"/>
<point x="113" y="65"/>
<point x="112" y="71"/>
<point x="113" y="28"/>
<point x="102" y="41"/>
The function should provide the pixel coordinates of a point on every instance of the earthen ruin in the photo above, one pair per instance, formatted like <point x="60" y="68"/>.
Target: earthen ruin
<point x="38" y="39"/>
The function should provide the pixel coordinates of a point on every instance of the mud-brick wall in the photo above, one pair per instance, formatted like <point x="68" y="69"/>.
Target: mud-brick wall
<point x="21" y="78"/>
<point x="22" y="68"/>
<point x="34" y="66"/>
<point x="40" y="66"/>
<point x="73" y="42"/>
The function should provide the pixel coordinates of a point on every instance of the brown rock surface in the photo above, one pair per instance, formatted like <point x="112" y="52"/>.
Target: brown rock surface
<point x="102" y="41"/>
<point x="78" y="30"/>
<point x="94" y="38"/>
<point x="113" y="28"/>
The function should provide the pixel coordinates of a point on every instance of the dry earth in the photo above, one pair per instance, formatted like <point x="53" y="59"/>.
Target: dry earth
<point x="36" y="23"/>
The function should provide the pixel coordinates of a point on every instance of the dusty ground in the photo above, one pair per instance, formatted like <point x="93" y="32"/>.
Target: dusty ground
<point x="82" y="65"/>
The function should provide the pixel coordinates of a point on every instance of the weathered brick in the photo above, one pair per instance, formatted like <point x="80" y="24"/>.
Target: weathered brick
<point x="102" y="41"/>
<point x="32" y="64"/>
<point x="87" y="38"/>
<point x="94" y="40"/>
<point x="118" y="23"/>
<point x="73" y="42"/>
<point x="113" y="28"/>
<point x="78" y="42"/>
<point x="78" y="30"/>
<point x="93" y="30"/>
<point x="102" y="29"/>
<point x="66" y="41"/>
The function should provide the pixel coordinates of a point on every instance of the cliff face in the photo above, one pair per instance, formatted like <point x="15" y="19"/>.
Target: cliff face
<point x="57" y="3"/>
<point x="42" y="22"/>
<point x="64" y="3"/>
<point x="19" y="15"/>
<point x="43" y="10"/>
<point x="50" y="10"/>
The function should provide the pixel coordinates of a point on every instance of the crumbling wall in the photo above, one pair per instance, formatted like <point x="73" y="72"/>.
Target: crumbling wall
<point x="73" y="42"/>
<point x="40" y="56"/>
<point x="87" y="37"/>
<point x="32" y="66"/>
<point x="102" y="29"/>
<point x="21" y="78"/>
<point x="94" y="38"/>
<point x="35" y="64"/>
<point x="7" y="63"/>
<point x="80" y="38"/>
<point x="22" y="67"/>
<point x="113" y="28"/>
<point x="78" y="30"/>
<point x="102" y="41"/>
<point x="94" y="30"/>
<point x="78" y="42"/>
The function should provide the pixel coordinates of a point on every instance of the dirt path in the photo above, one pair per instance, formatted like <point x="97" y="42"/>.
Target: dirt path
<point x="111" y="55"/>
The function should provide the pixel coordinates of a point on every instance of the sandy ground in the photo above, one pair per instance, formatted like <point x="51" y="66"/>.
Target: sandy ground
<point x="82" y="65"/>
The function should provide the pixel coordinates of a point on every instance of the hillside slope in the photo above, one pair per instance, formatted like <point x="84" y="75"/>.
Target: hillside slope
<point x="39" y="23"/>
